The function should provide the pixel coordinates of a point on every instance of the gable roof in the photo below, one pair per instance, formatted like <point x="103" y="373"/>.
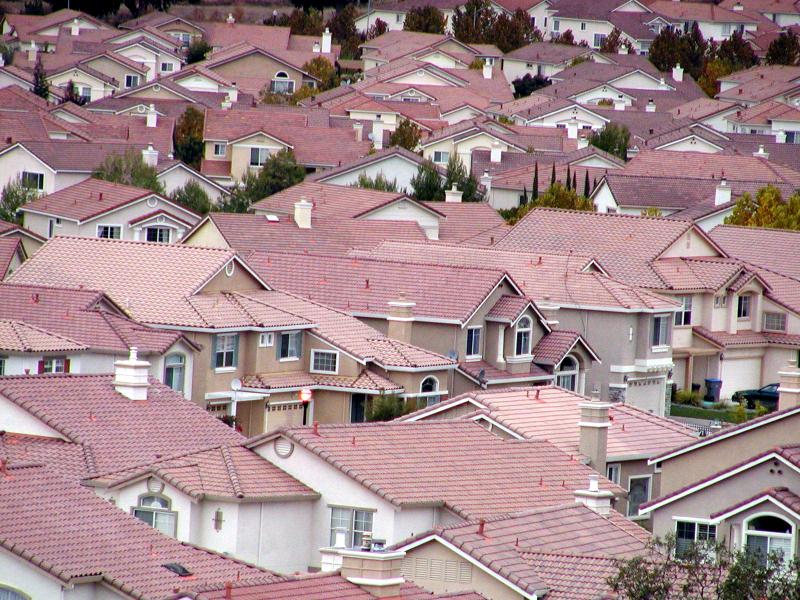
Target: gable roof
<point x="771" y="249"/>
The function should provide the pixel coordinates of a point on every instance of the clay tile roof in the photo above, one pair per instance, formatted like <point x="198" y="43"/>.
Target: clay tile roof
<point x="771" y="249"/>
<point x="554" y="346"/>
<point x="16" y="336"/>
<point x="366" y="381"/>
<point x="701" y="274"/>
<point x="723" y="339"/>
<point x="128" y="556"/>
<point x="508" y="308"/>
<point x="782" y="494"/>
<point x="456" y="464"/>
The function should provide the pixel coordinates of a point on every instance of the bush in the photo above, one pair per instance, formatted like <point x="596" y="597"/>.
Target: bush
<point x="197" y="51"/>
<point x="386" y="408"/>
<point x="193" y="197"/>
<point x="687" y="397"/>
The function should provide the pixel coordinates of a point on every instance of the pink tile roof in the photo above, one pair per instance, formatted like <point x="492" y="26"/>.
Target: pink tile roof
<point x="771" y="249"/>
<point x="700" y="274"/>
<point x="508" y="308"/>
<point x="724" y="339"/>
<point x="782" y="494"/>
<point x="92" y="538"/>
<point x="366" y="381"/>
<point x="16" y="336"/>
<point x="697" y="11"/>
<point x="67" y="458"/>
<point x="554" y="346"/>
<point x="765" y="112"/>
<point x="475" y="223"/>
<point x="481" y="371"/>
<point x="456" y="464"/>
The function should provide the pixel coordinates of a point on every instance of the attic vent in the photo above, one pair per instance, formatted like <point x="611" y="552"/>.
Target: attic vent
<point x="230" y="268"/>
<point x="178" y="569"/>
<point x="283" y="447"/>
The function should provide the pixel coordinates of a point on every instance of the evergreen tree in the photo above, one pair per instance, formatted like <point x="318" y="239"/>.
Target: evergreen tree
<point x="321" y="68"/>
<point x="586" y="190"/>
<point x="613" y="138"/>
<point x="784" y="50"/>
<point x="692" y="51"/>
<point x="553" y="175"/>
<point x="40" y="86"/>
<point x="407" y="135"/>
<point x="457" y="174"/>
<point x="379" y="182"/>
<point x="197" y="51"/>
<point x="425" y="19"/>
<point x="15" y="194"/>
<point x="193" y="197"/>
<point x="574" y="186"/>
<point x="568" y="183"/>
<point x="516" y="31"/>
<point x="427" y="183"/>
<point x="663" y="51"/>
<point x="279" y="172"/>
<point x="475" y="23"/>
<point x="524" y="199"/>
<point x="526" y="85"/>
<point x="188" y="138"/>
<point x="535" y="190"/>
<point x="736" y="52"/>
<point x="129" y="169"/>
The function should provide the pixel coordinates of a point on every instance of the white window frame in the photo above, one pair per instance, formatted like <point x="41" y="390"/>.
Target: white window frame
<point x="110" y="226"/>
<point x="132" y="78"/>
<point x="599" y="37"/>
<point x="556" y="25"/>
<point x="744" y="301"/>
<point x="720" y="301"/>
<point x="266" y="339"/>
<point x="167" y="67"/>
<point x="781" y="316"/>
<point x="57" y="364"/>
<point x="583" y="26"/>
<point x="520" y="329"/>
<point x="290" y="358"/>
<point x="32" y="174"/>
<point x="282" y="77"/>
<point x="614" y="472"/>
<point x="631" y="479"/>
<point x="468" y="356"/>
<point x="444" y="157"/>
<point x="158" y="228"/>
<point x="351" y="529"/>
<point x="221" y="347"/>
<point x="697" y="524"/>
<point x="313" y="369"/>
<point x="571" y="373"/>
<point x="432" y="397"/>
<point x="263" y="156"/>
<point x="223" y="146"/>
<point x="770" y="535"/>
<point x="683" y="316"/>
<point x="659" y="345"/>
<point x="156" y="511"/>
<point x="174" y="366"/>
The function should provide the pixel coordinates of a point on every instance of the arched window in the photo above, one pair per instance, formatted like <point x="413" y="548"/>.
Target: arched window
<point x="9" y="594"/>
<point x="155" y="511"/>
<point x="766" y="534"/>
<point x="567" y="374"/>
<point x="281" y="84"/>
<point x="429" y="386"/>
<point x="174" y="371"/>
<point x="523" y="341"/>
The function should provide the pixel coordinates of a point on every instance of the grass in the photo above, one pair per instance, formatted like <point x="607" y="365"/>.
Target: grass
<point x="728" y="415"/>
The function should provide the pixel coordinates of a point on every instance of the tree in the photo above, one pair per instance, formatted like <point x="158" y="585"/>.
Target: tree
<point x="652" y="211"/>
<point x="566" y="38"/>
<point x="95" y="8"/>
<point x="736" y="52"/>
<point x="768" y="209"/>
<point x="614" y="41"/>
<point x="7" y="53"/>
<point x="516" y="31"/>
<point x="556" y="196"/>
<point x="407" y="135"/>
<point x="71" y="94"/>
<point x="279" y="172"/>
<point x="386" y="408"/>
<point x="193" y="197"/>
<point x="129" y="169"/>
<point x="197" y="51"/>
<point x="379" y="27"/>
<point x="612" y="138"/>
<point x="457" y="174"/>
<point x="535" y="188"/>
<point x="40" y="86"/>
<point x="475" y="23"/>
<point x="692" y="49"/>
<point x="553" y="175"/>
<point x="425" y="19"/>
<point x="784" y="50"/>
<point x="188" y="139"/>
<point x="527" y="84"/>
<point x="379" y="182"/>
<point x="664" y="52"/>
<point x="586" y="189"/>
<point x="15" y="194"/>
<point x="321" y="68"/>
<point x="342" y="26"/>
<point x="427" y="183"/>
<point x="308" y="22"/>
<point x="712" y="72"/>
<point x="138" y="7"/>
<point x="568" y="183"/>
<point x="34" y="7"/>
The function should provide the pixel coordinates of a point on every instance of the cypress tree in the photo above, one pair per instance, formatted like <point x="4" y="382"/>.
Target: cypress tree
<point x="524" y="199"/>
<point x="594" y="184"/>
<point x="586" y="190"/>
<point x="40" y="85"/>
<point x="574" y="181"/>
<point x="535" y="190"/>
<point x="553" y="176"/>
<point x="569" y="179"/>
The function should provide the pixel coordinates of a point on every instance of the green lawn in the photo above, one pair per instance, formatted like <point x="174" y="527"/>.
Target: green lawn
<point x="695" y="412"/>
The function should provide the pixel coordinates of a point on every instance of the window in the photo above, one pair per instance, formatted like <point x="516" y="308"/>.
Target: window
<point x="473" y="342"/>
<point x="441" y="157"/>
<point x="720" y="301"/>
<point x="358" y="408"/>
<point x="258" y="156"/>
<point x="583" y="26"/>
<point x="167" y="67"/>
<point x="599" y="39"/>
<point x="161" y="235"/>
<point x="743" y="309"/>
<point x="638" y="494"/>
<point x="767" y="534"/>
<point x="34" y="181"/>
<point x="174" y="369"/>
<point x="355" y="523"/>
<point x="774" y="321"/>
<point x="291" y="346"/>
<point x="111" y="232"/>
<point x="726" y="29"/>
<point x="660" y="330"/>
<point x="185" y="38"/>
<point x="3" y="360"/>
<point x="567" y="374"/>
<point x="556" y="24"/>
<point x="226" y="349"/>
<point x="688" y="533"/>
<point x="684" y="314"/>
<point x="398" y="18"/>
<point x="54" y="365"/>
<point x="131" y="81"/>
<point x="612" y="473"/>
<point x="220" y="148"/>
<point x="155" y="511"/>
<point x="9" y="594"/>
<point x="428" y="390"/>
<point x="266" y="340"/>
<point x="84" y="93"/>
<point x="323" y="361"/>
<point x="281" y="84"/>
<point x="523" y="341"/>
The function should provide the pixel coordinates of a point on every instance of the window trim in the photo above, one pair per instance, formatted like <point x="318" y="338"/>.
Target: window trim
<point x="169" y="511"/>
<point x="559" y="372"/>
<point x="183" y="371"/>
<point x="519" y="329"/>
<point x="224" y="146"/>
<point x="618" y="468"/>
<point x="109" y="225"/>
<point x="659" y="345"/>
<point x="282" y="77"/>
<point x="697" y="523"/>
<point x="680" y="319"/>
<point x="280" y="345"/>
<point x="266" y="339"/>
<point x="790" y="536"/>
<point x="234" y="353"/>
<point x="314" y="352"/>
<point x="160" y="228"/>
<point x="744" y="300"/>
<point x="441" y="153"/>
<point x="631" y="478"/>
<point x="479" y="355"/>
<point x="779" y="314"/>
<point x="132" y="77"/>
<point x="351" y="528"/>
<point x="39" y="177"/>
<point x="258" y="165"/>
<point x="433" y="397"/>
<point x="167" y="64"/>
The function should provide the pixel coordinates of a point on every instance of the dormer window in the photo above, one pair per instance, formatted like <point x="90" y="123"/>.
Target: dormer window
<point x="523" y="338"/>
<point x="473" y="342"/>
<point x="54" y="364"/>
<point x="744" y="307"/>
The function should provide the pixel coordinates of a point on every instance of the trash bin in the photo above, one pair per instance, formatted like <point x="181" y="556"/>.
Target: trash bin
<point x="713" y="387"/>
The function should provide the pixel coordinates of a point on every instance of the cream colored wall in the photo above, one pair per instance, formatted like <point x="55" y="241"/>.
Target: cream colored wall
<point x="258" y="66"/>
<point x="422" y="77"/>
<point x="464" y="148"/>
<point x="207" y="235"/>
<point x="113" y="69"/>
<point x="14" y="162"/>
<point x="689" y="244"/>
<point x="240" y="152"/>
<point x="692" y="144"/>
<point x="99" y="89"/>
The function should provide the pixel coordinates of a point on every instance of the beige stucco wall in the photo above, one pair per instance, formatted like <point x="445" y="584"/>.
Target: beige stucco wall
<point x="258" y="66"/>
<point x="240" y="152"/>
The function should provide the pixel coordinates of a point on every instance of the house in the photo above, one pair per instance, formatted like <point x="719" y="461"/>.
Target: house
<point x="98" y="208"/>
<point x="29" y="242"/>
<point x="758" y="84"/>
<point x="543" y="59"/>
<point x="738" y="485"/>
<point x="442" y="50"/>
<point x="262" y="347"/>
<point x="619" y="451"/>
<point x="394" y="13"/>
<point x="715" y="22"/>
<point x="770" y="117"/>
<point x="23" y="28"/>
<point x="360" y="496"/>
<point x="783" y="14"/>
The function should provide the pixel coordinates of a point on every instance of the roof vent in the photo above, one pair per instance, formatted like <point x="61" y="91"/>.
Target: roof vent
<point x="178" y="569"/>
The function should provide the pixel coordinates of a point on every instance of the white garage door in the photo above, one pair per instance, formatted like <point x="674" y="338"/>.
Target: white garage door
<point x="740" y="374"/>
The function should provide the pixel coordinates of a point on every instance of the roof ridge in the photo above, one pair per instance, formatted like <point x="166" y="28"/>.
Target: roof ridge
<point x="233" y="475"/>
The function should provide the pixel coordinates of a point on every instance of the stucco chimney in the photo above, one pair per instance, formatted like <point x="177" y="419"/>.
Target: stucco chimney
<point x="230" y="20"/>
<point x="378" y="573"/>
<point x="547" y="308"/>
<point x="302" y="213"/>
<point x="496" y="153"/>
<point x="593" y="427"/>
<point x="623" y="49"/>
<point x="722" y="194"/>
<point x="595" y="498"/>
<point x="131" y="376"/>
<point x="789" y="388"/>
<point x="453" y="194"/>
<point x="359" y="129"/>
<point x="326" y="41"/>
<point x="152" y="116"/>
<point x="780" y="137"/>
<point x="677" y="73"/>
<point x="651" y="106"/>
<point x="761" y="153"/>
<point x="486" y="181"/>
<point x="233" y="93"/>
<point x="572" y="126"/>
<point x="316" y="48"/>
<point x="150" y="156"/>
<point x="2" y="61"/>
<point x="377" y="135"/>
<point x="401" y="319"/>
<point x="74" y="28"/>
<point x="32" y="52"/>
<point x="619" y="103"/>
<point x="487" y="71"/>
<point x="738" y="7"/>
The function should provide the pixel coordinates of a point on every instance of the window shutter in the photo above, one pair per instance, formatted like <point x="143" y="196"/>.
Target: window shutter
<point x="213" y="351"/>
<point x="66" y="365"/>
<point x="236" y="350"/>
<point x="40" y="367"/>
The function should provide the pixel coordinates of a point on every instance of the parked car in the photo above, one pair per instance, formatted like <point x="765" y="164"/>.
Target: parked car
<point x="767" y="396"/>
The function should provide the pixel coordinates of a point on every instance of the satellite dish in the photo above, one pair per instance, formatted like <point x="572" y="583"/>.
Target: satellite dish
<point x="236" y="385"/>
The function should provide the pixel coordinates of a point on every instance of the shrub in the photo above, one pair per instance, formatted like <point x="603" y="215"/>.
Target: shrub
<point x="687" y="397"/>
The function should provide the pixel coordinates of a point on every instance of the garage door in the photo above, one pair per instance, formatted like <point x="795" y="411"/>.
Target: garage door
<point x="740" y="374"/>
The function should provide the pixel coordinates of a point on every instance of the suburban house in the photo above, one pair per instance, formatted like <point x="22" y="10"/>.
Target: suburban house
<point x="758" y="84"/>
<point x="360" y="496"/>
<point x="739" y="485"/>
<point x="542" y="58"/>
<point x="98" y="208"/>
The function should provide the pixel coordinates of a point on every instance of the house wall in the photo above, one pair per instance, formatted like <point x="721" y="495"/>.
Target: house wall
<point x="207" y="235"/>
<point x="99" y="89"/>
<point x="562" y="117"/>
<point x="240" y="152"/>
<point x="393" y="168"/>
<point x="692" y="144"/>
<point x="264" y="530"/>
<point x="14" y="162"/>
<point x="514" y="69"/>
<point x="179" y="177"/>
<point x="393" y="19"/>
<point x="114" y="69"/>
<point x="18" y="420"/>
<point x="464" y="147"/>
<point x="462" y="114"/>
<point x="409" y="211"/>
<point x="20" y="575"/>
<point x="257" y="67"/>
<point x="581" y="35"/>
<point x="128" y="497"/>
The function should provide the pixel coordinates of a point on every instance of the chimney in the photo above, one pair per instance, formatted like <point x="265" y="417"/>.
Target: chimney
<point x="623" y="49"/>
<point x="651" y="106"/>
<point x="595" y="498"/>
<point x="316" y="48"/>
<point x="326" y="41"/>
<point x="548" y="309"/>
<point x="487" y="71"/>
<point x="572" y="126"/>
<point x="2" y="61"/>
<point x="594" y="425"/>
<point x="377" y="135"/>
<point x="486" y="181"/>
<point x="583" y="142"/>
<point x="32" y="51"/>
<point x="230" y="20"/>
<point x="761" y="153"/>
<point x="401" y="319"/>
<point x="738" y="7"/>
<point x="359" y="129"/>
<point x="233" y="93"/>
<point x="152" y="116"/>
<point x="496" y="154"/>
<point x="789" y="389"/>
<point x="677" y="73"/>
<point x="376" y="572"/>
<point x="662" y="83"/>
<point x="226" y="103"/>
<point x="780" y="137"/>
<point x="302" y="213"/>
<point x="74" y="28"/>
<point x="131" y="376"/>
<point x="723" y="193"/>
<point x="619" y="103"/>
<point x="453" y="194"/>
<point x="150" y="156"/>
